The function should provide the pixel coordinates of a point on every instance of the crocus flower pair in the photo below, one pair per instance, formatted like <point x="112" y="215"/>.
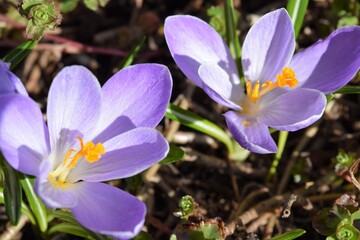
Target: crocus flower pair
<point x="92" y="135"/>
<point x="283" y="91"/>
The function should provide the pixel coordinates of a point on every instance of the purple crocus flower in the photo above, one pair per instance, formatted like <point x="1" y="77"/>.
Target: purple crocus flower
<point x="92" y="135"/>
<point x="9" y="82"/>
<point x="283" y="91"/>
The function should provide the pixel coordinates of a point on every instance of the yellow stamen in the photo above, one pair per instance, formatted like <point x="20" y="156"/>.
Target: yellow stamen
<point x="246" y="123"/>
<point x="286" y="78"/>
<point x="89" y="151"/>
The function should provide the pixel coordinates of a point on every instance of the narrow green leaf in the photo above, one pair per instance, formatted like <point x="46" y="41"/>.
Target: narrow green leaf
<point x="281" y="147"/>
<point x="19" y="53"/>
<point x="36" y="206"/>
<point x="349" y="90"/>
<point x="76" y="230"/>
<point x="64" y="216"/>
<point x="297" y="10"/>
<point x="231" y="35"/>
<point x="68" y="218"/>
<point x="290" y="235"/>
<point x="12" y="192"/>
<point x="200" y="124"/>
<point x="143" y="236"/>
<point x="24" y="208"/>
<point x="130" y="58"/>
<point x="175" y="154"/>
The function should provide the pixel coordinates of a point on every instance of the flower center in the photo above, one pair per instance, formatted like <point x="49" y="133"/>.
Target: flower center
<point x="255" y="92"/>
<point x="89" y="151"/>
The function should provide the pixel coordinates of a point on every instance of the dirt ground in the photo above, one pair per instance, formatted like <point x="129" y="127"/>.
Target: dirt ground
<point x="223" y="188"/>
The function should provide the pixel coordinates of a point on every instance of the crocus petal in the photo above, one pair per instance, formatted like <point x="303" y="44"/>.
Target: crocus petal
<point x="294" y="110"/>
<point x="193" y="42"/>
<point x="126" y="155"/>
<point x="51" y="195"/>
<point x="109" y="210"/>
<point x="330" y="64"/>
<point x="24" y="139"/>
<point x="218" y="86"/>
<point x="250" y="134"/>
<point x="268" y="46"/>
<point x="136" y="96"/>
<point x="9" y="82"/>
<point x="74" y="105"/>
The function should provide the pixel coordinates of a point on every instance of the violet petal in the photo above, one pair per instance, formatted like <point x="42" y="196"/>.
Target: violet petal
<point x="217" y="84"/>
<point x="54" y="196"/>
<point x="73" y="109"/>
<point x="9" y="82"/>
<point x="126" y="155"/>
<point x="136" y="96"/>
<point x="193" y="42"/>
<point x="24" y="137"/>
<point x="268" y="46"/>
<point x="250" y="134"/>
<point x="329" y="64"/>
<point x="109" y="210"/>
<point x="294" y="110"/>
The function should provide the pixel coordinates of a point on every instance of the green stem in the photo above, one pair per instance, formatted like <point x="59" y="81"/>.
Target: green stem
<point x="231" y="36"/>
<point x="281" y="146"/>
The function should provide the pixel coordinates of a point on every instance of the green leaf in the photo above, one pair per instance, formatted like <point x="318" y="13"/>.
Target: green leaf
<point x="42" y="16"/>
<point x="68" y="218"/>
<point x="187" y="207"/>
<point x="217" y="19"/>
<point x="349" y="90"/>
<point x="175" y="154"/>
<point x="297" y="10"/>
<point x="356" y="215"/>
<point x="211" y="231"/>
<point x="325" y="222"/>
<point x="36" y="206"/>
<point x="232" y="38"/>
<point x="12" y="192"/>
<point x="200" y="124"/>
<point x="91" y="4"/>
<point x="347" y="232"/>
<point x="19" y="53"/>
<point x="347" y="21"/>
<point x="143" y="236"/>
<point x="64" y="216"/>
<point x="68" y="5"/>
<point x="76" y="230"/>
<point x="24" y="208"/>
<point x="130" y="58"/>
<point x="290" y="235"/>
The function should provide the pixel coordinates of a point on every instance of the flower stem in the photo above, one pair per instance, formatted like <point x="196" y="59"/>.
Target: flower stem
<point x="281" y="146"/>
<point x="231" y="36"/>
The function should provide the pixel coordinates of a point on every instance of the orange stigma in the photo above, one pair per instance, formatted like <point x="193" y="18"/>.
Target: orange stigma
<point x="89" y="151"/>
<point x="286" y="78"/>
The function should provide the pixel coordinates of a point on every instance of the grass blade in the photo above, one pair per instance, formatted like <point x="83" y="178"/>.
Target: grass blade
<point x="36" y="206"/>
<point x="290" y="235"/>
<point x="200" y="124"/>
<point x="297" y="10"/>
<point x="12" y="192"/>
<point x="19" y="53"/>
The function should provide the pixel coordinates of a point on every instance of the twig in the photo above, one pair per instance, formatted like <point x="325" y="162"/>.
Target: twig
<point x="270" y="227"/>
<point x="287" y="210"/>
<point x="11" y="231"/>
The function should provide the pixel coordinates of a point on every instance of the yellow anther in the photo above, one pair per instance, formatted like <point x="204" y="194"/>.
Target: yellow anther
<point x="287" y="78"/>
<point x="255" y="92"/>
<point x="89" y="151"/>
<point x="246" y="123"/>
